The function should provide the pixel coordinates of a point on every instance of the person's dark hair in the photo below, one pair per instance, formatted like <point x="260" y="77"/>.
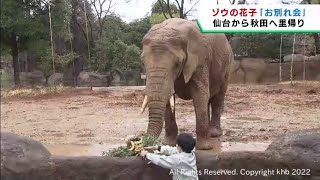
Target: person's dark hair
<point x="186" y="142"/>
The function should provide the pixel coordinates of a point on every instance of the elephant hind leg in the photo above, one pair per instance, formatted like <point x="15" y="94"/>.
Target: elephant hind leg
<point x="217" y="104"/>
<point x="170" y="127"/>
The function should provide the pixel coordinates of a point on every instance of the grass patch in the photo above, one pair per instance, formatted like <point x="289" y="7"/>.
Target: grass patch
<point x="123" y="151"/>
<point x="26" y="93"/>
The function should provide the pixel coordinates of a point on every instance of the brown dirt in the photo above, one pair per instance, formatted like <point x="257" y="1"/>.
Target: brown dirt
<point x="108" y="115"/>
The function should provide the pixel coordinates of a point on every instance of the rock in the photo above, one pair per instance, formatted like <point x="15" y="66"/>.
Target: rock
<point x="296" y="57"/>
<point x="86" y="78"/>
<point x="21" y="154"/>
<point x="236" y="74"/>
<point x="315" y="58"/>
<point x="55" y="79"/>
<point x="32" y="78"/>
<point x="117" y="75"/>
<point x="253" y="69"/>
<point x="301" y="148"/>
<point x="7" y="79"/>
<point x="228" y="132"/>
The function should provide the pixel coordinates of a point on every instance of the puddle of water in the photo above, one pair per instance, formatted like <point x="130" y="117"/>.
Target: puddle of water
<point x="97" y="149"/>
<point x="79" y="149"/>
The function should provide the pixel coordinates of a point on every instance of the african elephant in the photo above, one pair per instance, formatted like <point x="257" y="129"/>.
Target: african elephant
<point x="180" y="60"/>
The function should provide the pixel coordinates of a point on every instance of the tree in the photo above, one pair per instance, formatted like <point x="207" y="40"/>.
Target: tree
<point x="168" y="8"/>
<point x="100" y="12"/>
<point x="19" y="27"/>
<point x="159" y="8"/>
<point x="113" y="29"/>
<point x="316" y="36"/>
<point x="76" y="41"/>
<point x="126" y="57"/>
<point x="136" y="30"/>
<point x="158" y="18"/>
<point x="120" y="43"/>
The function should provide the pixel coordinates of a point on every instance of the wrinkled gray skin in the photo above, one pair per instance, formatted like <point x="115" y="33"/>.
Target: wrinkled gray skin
<point x="179" y="59"/>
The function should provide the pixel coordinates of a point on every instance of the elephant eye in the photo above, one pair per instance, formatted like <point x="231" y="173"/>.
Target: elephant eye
<point x="177" y="64"/>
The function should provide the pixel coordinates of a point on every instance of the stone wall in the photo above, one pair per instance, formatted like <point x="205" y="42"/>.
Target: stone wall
<point x="258" y="71"/>
<point x="244" y="71"/>
<point x="26" y="159"/>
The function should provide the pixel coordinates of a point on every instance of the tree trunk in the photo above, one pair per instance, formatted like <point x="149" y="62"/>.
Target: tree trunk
<point x="317" y="42"/>
<point x="30" y="62"/>
<point x="76" y="42"/>
<point x="316" y="36"/>
<point x="291" y="67"/>
<point x="14" y="53"/>
<point x="280" y="59"/>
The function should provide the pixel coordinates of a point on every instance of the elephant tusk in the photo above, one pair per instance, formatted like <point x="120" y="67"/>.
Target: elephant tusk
<point x="144" y="104"/>
<point x="172" y="103"/>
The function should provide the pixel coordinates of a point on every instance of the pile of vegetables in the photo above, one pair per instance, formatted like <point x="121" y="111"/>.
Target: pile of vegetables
<point x="133" y="147"/>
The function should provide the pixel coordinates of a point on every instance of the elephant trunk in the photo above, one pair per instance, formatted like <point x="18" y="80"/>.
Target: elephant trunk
<point x="158" y="90"/>
<point x="156" y="117"/>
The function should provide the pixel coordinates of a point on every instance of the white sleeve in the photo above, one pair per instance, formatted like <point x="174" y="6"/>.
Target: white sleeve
<point x="168" y="162"/>
<point x="168" y="150"/>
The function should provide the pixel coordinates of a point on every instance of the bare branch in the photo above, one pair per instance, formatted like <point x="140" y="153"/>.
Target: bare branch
<point x="191" y="9"/>
<point x="161" y="5"/>
<point x="107" y="11"/>
<point x="93" y="3"/>
<point x="178" y="4"/>
<point x="169" y="9"/>
<point x="100" y="12"/>
<point x="109" y="7"/>
<point x="90" y="23"/>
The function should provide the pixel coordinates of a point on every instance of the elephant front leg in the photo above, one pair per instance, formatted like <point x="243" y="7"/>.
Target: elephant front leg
<point x="200" y="102"/>
<point x="216" y="110"/>
<point x="171" y="127"/>
<point x="217" y="104"/>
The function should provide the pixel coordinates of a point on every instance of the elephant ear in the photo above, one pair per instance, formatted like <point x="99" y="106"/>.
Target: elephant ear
<point x="195" y="50"/>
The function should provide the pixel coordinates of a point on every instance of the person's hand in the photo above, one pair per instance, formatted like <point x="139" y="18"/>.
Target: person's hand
<point x="151" y="148"/>
<point x="143" y="153"/>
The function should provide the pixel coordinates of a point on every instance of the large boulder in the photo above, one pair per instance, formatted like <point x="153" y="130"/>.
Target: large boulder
<point x="7" y="79"/>
<point x="55" y="79"/>
<point x="32" y="78"/>
<point x="271" y="74"/>
<point x="315" y="58"/>
<point x="253" y="69"/>
<point x="94" y="79"/>
<point x="296" y="57"/>
<point x="21" y="154"/>
<point x="236" y="73"/>
<point x="299" y="148"/>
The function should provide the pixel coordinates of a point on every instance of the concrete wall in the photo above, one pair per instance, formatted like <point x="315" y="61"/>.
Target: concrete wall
<point x="258" y="71"/>
<point x="26" y="159"/>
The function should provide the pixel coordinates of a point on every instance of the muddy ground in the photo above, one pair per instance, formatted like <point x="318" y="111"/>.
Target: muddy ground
<point x="84" y="122"/>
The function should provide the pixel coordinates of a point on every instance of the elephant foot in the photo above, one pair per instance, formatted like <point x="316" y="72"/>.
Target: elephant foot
<point x="215" y="131"/>
<point x="169" y="140"/>
<point x="204" y="144"/>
